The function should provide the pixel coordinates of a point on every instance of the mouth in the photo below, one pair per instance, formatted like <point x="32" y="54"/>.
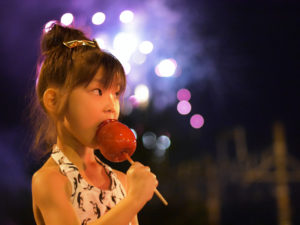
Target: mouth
<point x="103" y="123"/>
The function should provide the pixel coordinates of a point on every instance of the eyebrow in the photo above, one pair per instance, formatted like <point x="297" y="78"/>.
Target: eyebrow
<point x="101" y="82"/>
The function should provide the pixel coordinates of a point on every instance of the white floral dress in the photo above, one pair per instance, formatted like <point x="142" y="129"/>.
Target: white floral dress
<point x="89" y="201"/>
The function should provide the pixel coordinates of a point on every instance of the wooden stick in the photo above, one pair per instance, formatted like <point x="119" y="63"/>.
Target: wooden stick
<point x="158" y="194"/>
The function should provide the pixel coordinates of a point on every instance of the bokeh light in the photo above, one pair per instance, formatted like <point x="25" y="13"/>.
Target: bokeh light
<point x="126" y="16"/>
<point x="163" y="142"/>
<point x="67" y="19"/>
<point x="124" y="45"/>
<point x="49" y="25"/>
<point x="149" y="140"/>
<point x="146" y="47"/>
<point x="127" y="92"/>
<point x="134" y="132"/>
<point x="127" y="67"/>
<point x="166" y="68"/>
<point x="141" y="92"/>
<point x="183" y="94"/>
<point x="98" y="18"/>
<point x="133" y="101"/>
<point x="184" y="107"/>
<point x="197" y="121"/>
<point x="138" y="58"/>
<point x="101" y="43"/>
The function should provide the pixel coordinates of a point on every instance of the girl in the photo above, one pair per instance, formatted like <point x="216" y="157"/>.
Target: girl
<point x="78" y="87"/>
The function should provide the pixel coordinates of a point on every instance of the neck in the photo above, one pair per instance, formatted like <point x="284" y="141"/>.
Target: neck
<point x="78" y="154"/>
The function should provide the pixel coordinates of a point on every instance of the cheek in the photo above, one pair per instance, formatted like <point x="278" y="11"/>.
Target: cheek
<point x="118" y="109"/>
<point x="82" y="113"/>
<point x="86" y="115"/>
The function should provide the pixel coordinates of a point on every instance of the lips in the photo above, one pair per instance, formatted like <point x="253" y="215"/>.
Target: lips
<point x="102" y="124"/>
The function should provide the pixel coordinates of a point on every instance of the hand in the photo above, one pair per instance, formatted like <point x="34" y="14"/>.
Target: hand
<point x="141" y="182"/>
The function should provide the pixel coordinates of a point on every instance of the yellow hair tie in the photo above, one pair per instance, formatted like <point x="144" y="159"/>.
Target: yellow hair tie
<point x="76" y="43"/>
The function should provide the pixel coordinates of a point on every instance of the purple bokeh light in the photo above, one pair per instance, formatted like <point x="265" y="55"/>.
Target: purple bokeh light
<point x="197" y="121"/>
<point x="184" y="107"/>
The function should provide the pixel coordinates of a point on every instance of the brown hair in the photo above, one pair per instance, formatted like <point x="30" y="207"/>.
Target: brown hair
<point x="66" y="68"/>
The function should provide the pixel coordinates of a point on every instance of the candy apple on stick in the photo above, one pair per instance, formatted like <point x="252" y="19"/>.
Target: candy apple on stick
<point x="117" y="143"/>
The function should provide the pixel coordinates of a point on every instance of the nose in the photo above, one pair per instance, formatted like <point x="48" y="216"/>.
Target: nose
<point x="110" y="103"/>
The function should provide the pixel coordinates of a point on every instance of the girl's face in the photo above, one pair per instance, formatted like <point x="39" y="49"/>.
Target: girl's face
<point x="88" y="107"/>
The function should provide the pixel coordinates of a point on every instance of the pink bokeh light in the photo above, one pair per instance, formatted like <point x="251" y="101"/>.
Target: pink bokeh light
<point x="133" y="100"/>
<point x="183" y="94"/>
<point x="197" y="121"/>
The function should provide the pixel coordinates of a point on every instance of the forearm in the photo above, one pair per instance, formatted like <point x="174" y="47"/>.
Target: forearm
<point x="122" y="214"/>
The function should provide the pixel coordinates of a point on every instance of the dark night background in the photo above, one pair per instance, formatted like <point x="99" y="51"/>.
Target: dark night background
<point x="239" y="59"/>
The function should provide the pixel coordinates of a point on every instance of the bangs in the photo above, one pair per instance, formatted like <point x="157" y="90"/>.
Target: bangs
<point x="113" y="72"/>
<point x="86" y="65"/>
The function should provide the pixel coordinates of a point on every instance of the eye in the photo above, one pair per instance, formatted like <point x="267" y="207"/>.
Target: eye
<point x="97" y="91"/>
<point x="118" y="91"/>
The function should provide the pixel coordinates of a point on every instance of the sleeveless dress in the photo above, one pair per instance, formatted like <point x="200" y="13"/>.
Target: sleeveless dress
<point x="89" y="202"/>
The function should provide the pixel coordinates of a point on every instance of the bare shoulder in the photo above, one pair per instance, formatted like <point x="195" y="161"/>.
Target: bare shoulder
<point x="122" y="177"/>
<point x="47" y="181"/>
<point x="47" y="174"/>
<point x="51" y="191"/>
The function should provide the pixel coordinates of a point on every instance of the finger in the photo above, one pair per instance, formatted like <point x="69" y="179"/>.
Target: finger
<point x="137" y="164"/>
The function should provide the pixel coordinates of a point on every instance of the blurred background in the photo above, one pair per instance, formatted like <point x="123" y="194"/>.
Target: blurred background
<point x="212" y="96"/>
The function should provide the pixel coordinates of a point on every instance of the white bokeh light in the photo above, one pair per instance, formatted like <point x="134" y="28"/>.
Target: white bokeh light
<point x="146" y="47"/>
<point x="124" y="45"/>
<point x="48" y="25"/>
<point x="149" y="140"/>
<point x="141" y="93"/>
<point x="98" y="18"/>
<point x="126" y="16"/>
<point x="103" y="40"/>
<point x="127" y="67"/>
<point x="138" y="58"/>
<point x="163" y="142"/>
<point x="166" y="68"/>
<point x="67" y="19"/>
<point x="101" y="43"/>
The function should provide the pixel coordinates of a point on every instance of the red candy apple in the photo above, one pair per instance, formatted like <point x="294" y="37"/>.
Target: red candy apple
<point x="115" y="139"/>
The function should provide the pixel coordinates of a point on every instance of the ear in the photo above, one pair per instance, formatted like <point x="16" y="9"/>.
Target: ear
<point x="50" y="100"/>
